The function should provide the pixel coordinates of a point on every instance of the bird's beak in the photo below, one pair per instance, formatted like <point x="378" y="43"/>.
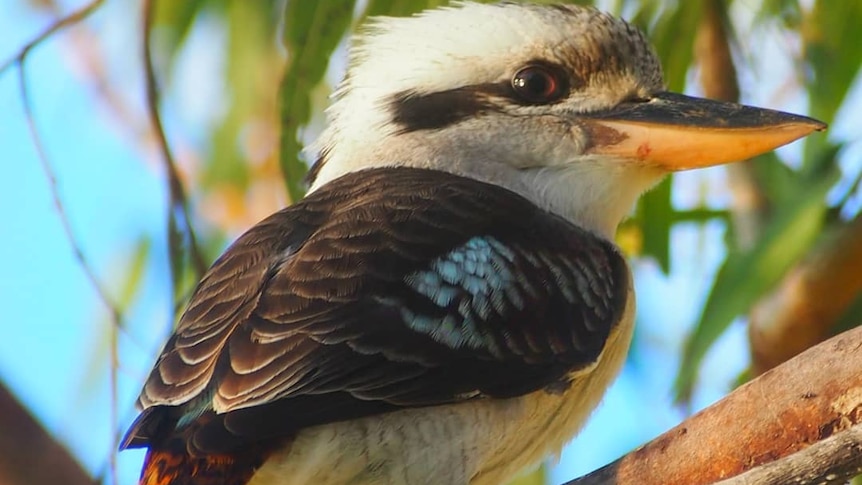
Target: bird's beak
<point x="677" y="132"/>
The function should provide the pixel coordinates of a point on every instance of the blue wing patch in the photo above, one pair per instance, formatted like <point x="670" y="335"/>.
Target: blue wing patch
<point x="475" y="280"/>
<point x="474" y="284"/>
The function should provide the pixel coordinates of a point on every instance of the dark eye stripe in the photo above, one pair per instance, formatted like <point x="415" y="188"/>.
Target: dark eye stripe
<point x="413" y="111"/>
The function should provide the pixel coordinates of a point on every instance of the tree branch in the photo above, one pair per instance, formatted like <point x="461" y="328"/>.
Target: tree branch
<point x="833" y="460"/>
<point x="69" y="20"/>
<point x="28" y="454"/>
<point x="42" y="446"/>
<point x="47" y="169"/>
<point x="179" y="218"/>
<point x="788" y="409"/>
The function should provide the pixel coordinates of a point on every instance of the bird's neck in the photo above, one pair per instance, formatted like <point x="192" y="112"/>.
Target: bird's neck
<point x="595" y="194"/>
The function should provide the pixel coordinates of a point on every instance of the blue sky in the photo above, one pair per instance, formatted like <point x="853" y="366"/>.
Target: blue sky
<point x="54" y="354"/>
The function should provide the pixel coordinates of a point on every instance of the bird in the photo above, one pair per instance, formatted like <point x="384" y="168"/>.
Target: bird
<point x="447" y="304"/>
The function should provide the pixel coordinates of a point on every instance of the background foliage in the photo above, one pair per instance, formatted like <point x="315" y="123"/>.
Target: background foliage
<point x="268" y="66"/>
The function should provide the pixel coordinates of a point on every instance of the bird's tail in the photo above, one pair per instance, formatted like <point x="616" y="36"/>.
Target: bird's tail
<point x="171" y="467"/>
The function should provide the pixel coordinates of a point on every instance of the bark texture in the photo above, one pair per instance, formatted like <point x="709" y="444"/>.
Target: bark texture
<point x="788" y="409"/>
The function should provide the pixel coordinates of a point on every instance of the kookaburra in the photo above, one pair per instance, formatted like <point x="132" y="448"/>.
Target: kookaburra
<point x="446" y="305"/>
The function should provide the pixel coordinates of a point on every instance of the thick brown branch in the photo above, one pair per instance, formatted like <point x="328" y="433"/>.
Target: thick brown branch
<point x="28" y="454"/>
<point x="717" y="72"/>
<point x="179" y="218"/>
<point x="807" y="399"/>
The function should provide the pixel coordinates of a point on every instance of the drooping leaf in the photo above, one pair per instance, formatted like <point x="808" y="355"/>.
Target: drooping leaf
<point x="671" y="28"/>
<point x="834" y="64"/>
<point x="786" y="11"/>
<point x="126" y="293"/>
<point x="174" y="20"/>
<point x="747" y="276"/>
<point x="131" y="285"/>
<point x="536" y="477"/>
<point x="312" y="30"/>
<point x="250" y="56"/>
<point x="398" y="8"/>
<point x="777" y="181"/>
<point x="657" y="217"/>
<point x="700" y="215"/>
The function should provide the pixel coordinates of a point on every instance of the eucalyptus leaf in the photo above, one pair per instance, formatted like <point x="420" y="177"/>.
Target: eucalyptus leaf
<point x="250" y="54"/>
<point x="777" y="181"/>
<point x="175" y="20"/>
<point x="833" y="58"/>
<point x="657" y="216"/>
<point x="397" y="8"/>
<point x="746" y="276"/>
<point x="311" y="32"/>
<point x="673" y="37"/>
<point x="535" y="477"/>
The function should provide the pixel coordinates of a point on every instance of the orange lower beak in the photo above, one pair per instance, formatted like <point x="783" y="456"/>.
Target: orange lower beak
<point x="677" y="132"/>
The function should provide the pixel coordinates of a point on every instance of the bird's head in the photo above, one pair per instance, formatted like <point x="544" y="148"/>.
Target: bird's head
<point x="564" y="105"/>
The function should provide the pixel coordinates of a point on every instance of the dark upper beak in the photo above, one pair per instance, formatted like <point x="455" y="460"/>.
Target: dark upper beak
<point x="678" y="132"/>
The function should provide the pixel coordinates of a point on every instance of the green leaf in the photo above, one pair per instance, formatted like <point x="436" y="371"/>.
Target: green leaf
<point x="536" y="477"/>
<point x="250" y="52"/>
<point x="672" y="33"/>
<point x="742" y="378"/>
<point x="175" y="20"/>
<point x="398" y="8"/>
<point x="833" y="58"/>
<point x="700" y="215"/>
<point x="746" y="276"/>
<point x="137" y="267"/>
<point x="778" y="181"/>
<point x="656" y="216"/>
<point x="312" y="30"/>
<point x="127" y="291"/>
<point x="826" y="32"/>
<point x="787" y="11"/>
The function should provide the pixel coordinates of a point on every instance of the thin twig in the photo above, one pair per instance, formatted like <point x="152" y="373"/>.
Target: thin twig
<point x="19" y="60"/>
<point x="178" y="206"/>
<point x="48" y="170"/>
<point x="113" y="310"/>
<point x="60" y="24"/>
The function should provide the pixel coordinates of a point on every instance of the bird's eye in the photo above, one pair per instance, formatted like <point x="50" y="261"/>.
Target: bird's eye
<point x="538" y="84"/>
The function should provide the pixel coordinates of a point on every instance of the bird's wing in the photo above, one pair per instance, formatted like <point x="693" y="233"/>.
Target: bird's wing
<point x="385" y="289"/>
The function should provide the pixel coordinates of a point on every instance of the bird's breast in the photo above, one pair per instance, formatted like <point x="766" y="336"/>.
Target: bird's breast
<point x="480" y="442"/>
<point x="541" y="423"/>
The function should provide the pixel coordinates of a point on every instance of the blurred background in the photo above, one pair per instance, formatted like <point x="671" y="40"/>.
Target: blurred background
<point x="126" y="171"/>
